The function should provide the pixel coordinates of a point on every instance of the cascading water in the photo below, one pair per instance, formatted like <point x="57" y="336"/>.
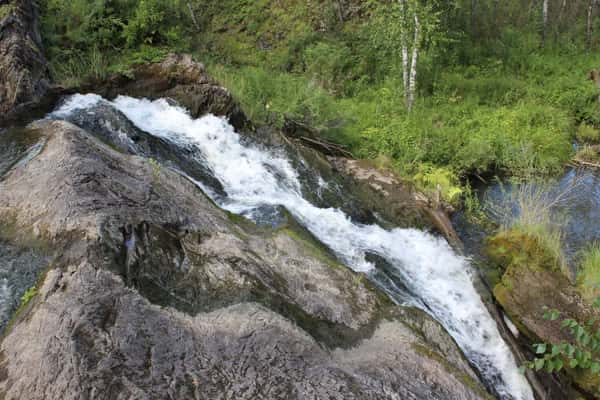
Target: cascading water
<point x="254" y="178"/>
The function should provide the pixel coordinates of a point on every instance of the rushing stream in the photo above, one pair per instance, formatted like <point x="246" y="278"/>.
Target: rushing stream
<point x="254" y="178"/>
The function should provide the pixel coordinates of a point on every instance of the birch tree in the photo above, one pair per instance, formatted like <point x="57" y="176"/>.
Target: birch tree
<point x="401" y="31"/>
<point x="590" y="19"/>
<point x="544" y="21"/>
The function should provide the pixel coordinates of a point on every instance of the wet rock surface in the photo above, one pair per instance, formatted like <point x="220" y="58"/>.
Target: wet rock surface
<point x="157" y="293"/>
<point x="24" y="74"/>
<point x="19" y="270"/>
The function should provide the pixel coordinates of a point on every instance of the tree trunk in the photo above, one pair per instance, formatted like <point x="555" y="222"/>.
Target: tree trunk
<point x="413" y="66"/>
<point x="194" y="20"/>
<point x="473" y="19"/>
<point x="496" y="28"/>
<point x="544" y="21"/>
<point x="590" y="15"/>
<point x="559" y="20"/>
<point x="404" y="44"/>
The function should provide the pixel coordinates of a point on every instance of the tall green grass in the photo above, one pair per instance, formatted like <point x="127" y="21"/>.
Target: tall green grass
<point x="588" y="274"/>
<point x="531" y="209"/>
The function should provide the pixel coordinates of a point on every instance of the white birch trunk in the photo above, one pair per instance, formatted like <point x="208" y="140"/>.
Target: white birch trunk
<point x="590" y="14"/>
<point x="404" y="45"/>
<point x="544" y="21"/>
<point x="413" y="67"/>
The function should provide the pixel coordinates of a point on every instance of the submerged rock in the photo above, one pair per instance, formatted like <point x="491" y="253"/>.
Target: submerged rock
<point x="24" y="73"/>
<point x="157" y="293"/>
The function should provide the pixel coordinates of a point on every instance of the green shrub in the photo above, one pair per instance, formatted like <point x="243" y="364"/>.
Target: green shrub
<point x="327" y="63"/>
<point x="588" y="134"/>
<point x="582" y="353"/>
<point x="436" y="181"/>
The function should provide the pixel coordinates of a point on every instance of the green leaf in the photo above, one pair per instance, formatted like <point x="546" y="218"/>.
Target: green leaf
<point x="540" y="348"/>
<point x="573" y="363"/>
<point x="595" y="367"/>
<point x="558" y="364"/>
<point x="539" y="363"/>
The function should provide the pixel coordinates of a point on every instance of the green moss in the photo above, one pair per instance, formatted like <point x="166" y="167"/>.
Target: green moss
<point x="27" y="301"/>
<point x="5" y="10"/>
<point x="522" y="250"/>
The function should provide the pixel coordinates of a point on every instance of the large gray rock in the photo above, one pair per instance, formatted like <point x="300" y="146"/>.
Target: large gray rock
<point x="156" y="293"/>
<point x="24" y="74"/>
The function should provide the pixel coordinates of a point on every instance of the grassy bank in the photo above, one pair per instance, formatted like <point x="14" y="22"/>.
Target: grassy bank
<point x="487" y="104"/>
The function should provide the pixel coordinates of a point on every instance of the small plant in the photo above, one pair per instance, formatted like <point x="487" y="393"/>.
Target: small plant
<point x="28" y="295"/>
<point x="155" y="165"/>
<point x="588" y="154"/>
<point x="581" y="353"/>
<point x="588" y="134"/>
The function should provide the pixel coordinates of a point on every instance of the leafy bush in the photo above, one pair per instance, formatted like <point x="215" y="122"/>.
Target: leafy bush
<point x="581" y="353"/>
<point x="436" y="181"/>
<point x="327" y="63"/>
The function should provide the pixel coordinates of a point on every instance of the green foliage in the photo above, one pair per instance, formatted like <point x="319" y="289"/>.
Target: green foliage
<point x="437" y="181"/>
<point x="28" y="295"/>
<point x="5" y="10"/>
<point x="89" y="39"/>
<point x="588" y="134"/>
<point x="327" y="63"/>
<point x="267" y="97"/>
<point x="588" y="154"/>
<point x="152" y="23"/>
<point x="583" y="352"/>
<point x="588" y="275"/>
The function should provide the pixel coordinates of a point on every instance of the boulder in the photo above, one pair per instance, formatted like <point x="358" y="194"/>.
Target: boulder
<point x="155" y="293"/>
<point x="24" y="73"/>
<point x="395" y="199"/>
<point x="178" y="77"/>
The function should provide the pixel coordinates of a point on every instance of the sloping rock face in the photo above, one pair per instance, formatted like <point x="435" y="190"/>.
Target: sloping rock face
<point x="24" y="74"/>
<point x="156" y="293"/>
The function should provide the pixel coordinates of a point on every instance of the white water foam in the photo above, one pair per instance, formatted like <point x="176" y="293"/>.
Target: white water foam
<point x="253" y="177"/>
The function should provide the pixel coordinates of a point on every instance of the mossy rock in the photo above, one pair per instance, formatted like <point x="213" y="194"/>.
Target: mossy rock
<point x="531" y="283"/>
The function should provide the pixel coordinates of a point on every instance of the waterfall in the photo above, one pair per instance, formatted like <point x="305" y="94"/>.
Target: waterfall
<point x="253" y="177"/>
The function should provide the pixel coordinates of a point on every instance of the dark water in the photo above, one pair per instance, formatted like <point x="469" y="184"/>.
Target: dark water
<point x="19" y="266"/>
<point x="577" y="213"/>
